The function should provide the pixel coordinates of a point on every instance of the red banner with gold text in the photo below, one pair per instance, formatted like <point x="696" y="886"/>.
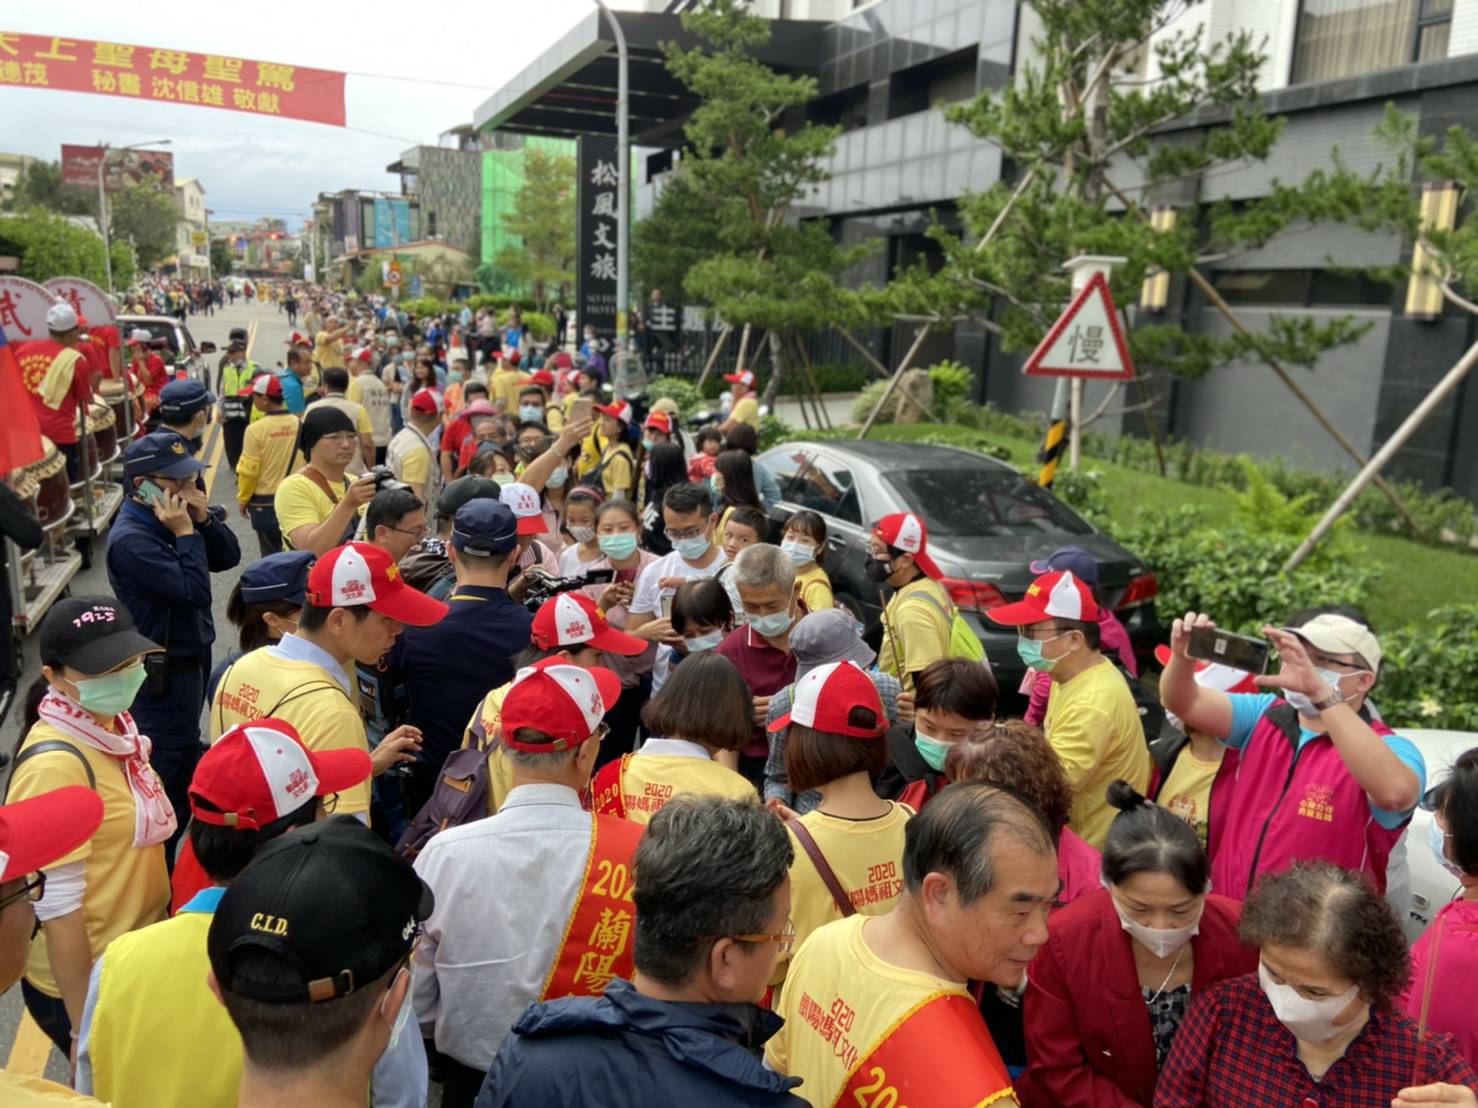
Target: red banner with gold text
<point x="172" y="76"/>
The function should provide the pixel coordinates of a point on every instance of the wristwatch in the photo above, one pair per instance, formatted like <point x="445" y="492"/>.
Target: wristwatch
<point x="1336" y="697"/>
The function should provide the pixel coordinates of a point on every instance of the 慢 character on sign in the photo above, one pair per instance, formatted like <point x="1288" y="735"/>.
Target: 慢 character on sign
<point x="171" y="61"/>
<point x="1085" y="344"/>
<point x="9" y="316"/>
<point x="34" y="73"/>
<point x="110" y="53"/>
<point x="602" y="236"/>
<point x="223" y="69"/>
<point x="275" y="76"/>
<point x="55" y="53"/>
<point x="605" y="204"/>
<point x="129" y="84"/>
<point x="604" y="174"/>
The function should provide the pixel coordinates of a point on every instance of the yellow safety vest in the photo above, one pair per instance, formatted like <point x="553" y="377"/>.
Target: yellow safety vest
<point x="158" y="1035"/>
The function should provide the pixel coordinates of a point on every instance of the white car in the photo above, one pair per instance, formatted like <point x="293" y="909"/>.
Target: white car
<point x="1420" y="888"/>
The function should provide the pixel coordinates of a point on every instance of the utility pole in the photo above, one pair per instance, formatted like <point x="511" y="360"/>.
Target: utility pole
<point x="103" y="200"/>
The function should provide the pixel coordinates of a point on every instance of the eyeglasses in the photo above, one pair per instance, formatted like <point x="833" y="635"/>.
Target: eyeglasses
<point x="31" y="891"/>
<point x="786" y="939"/>
<point x="417" y="533"/>
<point x="340" y="438"/>
<point x="690" y="533"/>
<point x="328" y="803"/>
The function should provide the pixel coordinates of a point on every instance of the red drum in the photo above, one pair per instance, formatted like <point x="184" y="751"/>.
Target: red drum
<point x="49" y="478"/>
<point x="102" y="424"/>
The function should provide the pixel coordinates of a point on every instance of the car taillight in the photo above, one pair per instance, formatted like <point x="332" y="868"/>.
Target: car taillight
<point x="972" y="596"/>
<point x="1141" y="590"/>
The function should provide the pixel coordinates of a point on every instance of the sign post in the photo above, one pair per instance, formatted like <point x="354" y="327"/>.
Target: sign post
<point x="1085" y="342"/>
<point x="597" y="246"/>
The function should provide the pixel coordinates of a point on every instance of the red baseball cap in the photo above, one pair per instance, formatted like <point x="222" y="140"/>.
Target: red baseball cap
<point x="906" y="531"/>
<point x="825" y="698"/>
<point x="659" y="421"/>
<point x="573" y="619"/>
<point x="1215" y="675"/>
<point x="564" y="701"/>
<point x="37" y="831"/>
<point x="259" y="772"/>
<point x="513" y="358"/>
<point x="426" y="401"/>
<point x="620" y="410"/>
<point x="524" y="501"/>
<point x="297" y="338"/>
<point x="563" y="360"/>
<point x="540" y="378"/>
<point x="364" y="354"/>
<point x="1050" y="596"/>
<point x="360" y="574"/>
<point x="744" y="377"/>
<point x="266" y="384"/>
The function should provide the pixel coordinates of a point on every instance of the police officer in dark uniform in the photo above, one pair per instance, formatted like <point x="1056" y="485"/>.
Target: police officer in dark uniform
<point x="162" y="550"/>
<point x="184" y="408"/>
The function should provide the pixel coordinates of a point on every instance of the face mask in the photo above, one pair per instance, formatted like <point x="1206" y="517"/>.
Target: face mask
<point x="1162" y="942"/>
<point x="618" y="546"/>
<point x="692" y="549"/>
<point x="1438" y="842"/>
<point x="530" y="414"/>
<point x="558" y="477"/>
<point x="699" y="643"/>
<point x="771" y="626"/>
<point x="647" y="444"/>
<point x="716" y="483"/>
<point x="112" y="693"/>
<point x="402" y="1018"/>
<point x="800" y="553"/>
<point x="1305" y="705"/>
<point x="1030" y="652"/>
<point x="503" y="478"/>
<point x="878" y="570"/>
<point x="1309" y="1020"/>
<point x="582" y="534"/>
<point x="931" y="750"/>
<point x="454" y="375"/>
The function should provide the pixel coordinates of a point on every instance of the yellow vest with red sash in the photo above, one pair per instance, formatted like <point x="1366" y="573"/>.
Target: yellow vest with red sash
<point x="599" y="935"/>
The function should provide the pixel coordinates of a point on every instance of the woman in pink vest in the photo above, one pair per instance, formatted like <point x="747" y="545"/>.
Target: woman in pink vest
<point x="1319" y="776"/>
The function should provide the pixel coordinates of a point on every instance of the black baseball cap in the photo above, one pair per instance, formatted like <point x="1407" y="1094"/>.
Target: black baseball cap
<point x="162" y="452"/>
<point x="485" y="528"/>
<point x="462" y="490"/>
<point x="91" y="634"/>
<point x="236" y="333"/>
<point x="333" y="901"/>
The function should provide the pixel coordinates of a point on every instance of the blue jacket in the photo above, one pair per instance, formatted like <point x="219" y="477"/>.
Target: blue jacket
<point x="292" y="392"/>
<point x="164" y="581"/>
<point x="625" y="1050"/>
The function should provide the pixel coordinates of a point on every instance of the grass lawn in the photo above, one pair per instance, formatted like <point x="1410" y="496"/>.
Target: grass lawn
<point x="1415" y="577"/>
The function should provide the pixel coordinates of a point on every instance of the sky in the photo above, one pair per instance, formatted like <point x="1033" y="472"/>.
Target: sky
<point x="251" y="166"/>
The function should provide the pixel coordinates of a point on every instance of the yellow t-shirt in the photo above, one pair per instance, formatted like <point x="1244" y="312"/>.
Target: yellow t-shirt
<point x="867" y="857"/>
<point x="915" y="632"/>
<point x="619" y="470"/>
<point x="815" y="586"/>
<point x="1187" y="790"/>
<point x="856" y="999"/>
<point x="409" y="458"/>
<point x="20" y="1091"/>
<point x="299" y="500"/>
<point x="649" y="781"/>
<point x="305" y="695"/>
<point x="269" y="452"/>
<point x="503" y="388"/>
<point x="746" y="411"/>
<point x="127" y="887"/>
<point x="355" y="391"/>
<point x="1094" y="726"/>
<point x="328" y="353"/>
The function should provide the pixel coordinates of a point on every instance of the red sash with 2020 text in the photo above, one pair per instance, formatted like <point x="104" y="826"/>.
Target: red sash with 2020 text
<point x="598" y="938"/>
<point x="938" y="1056"/>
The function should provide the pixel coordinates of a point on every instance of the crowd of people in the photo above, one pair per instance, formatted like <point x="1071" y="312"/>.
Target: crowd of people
<point x="544" y="766"/>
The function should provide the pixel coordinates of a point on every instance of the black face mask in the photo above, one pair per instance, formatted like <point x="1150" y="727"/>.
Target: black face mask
<point x="878" y="570"/>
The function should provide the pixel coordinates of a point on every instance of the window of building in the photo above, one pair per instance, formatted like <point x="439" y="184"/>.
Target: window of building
<point x="845" y="108"/>
<point x="1301" y="288"/>
<point x="1343" y="38"/>
<point x="944" y="80"/>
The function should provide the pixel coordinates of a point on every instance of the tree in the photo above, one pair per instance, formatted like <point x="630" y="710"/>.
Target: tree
<point x="543" y="217"/>
<point x="40" y="186"/>
<point x="148" y="217"/>
<point x="222" y="258"/>
<point x="50" y="246"/>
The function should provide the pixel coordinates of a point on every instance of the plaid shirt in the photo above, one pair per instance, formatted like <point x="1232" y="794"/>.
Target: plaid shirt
<point x="1231" y="1052"/>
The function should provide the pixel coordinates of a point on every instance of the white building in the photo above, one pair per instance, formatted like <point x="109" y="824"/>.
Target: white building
<point x="192" y="233"/>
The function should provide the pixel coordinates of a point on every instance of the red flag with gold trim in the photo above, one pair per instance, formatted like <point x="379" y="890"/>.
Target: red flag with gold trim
<point x="20" y="434"/>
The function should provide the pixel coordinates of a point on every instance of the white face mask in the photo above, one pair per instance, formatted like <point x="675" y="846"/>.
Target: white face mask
<point x="1309" y="1020"/>
<point x="402" y="1018"/>
<point x="1162" y="942"/>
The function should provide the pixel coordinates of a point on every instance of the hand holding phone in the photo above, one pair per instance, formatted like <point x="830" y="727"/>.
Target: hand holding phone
<point x="581" y="409"/>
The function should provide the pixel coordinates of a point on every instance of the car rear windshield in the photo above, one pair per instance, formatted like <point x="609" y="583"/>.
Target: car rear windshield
<point x="983" y="502"/>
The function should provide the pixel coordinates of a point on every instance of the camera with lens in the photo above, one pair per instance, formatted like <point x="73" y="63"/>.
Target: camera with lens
<point x="542" y="587"/>
<point x="385" y="479"/>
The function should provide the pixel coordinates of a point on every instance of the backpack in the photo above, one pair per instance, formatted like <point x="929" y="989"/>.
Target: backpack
<point x="594" y="479"/>
<point x="963" y="642"/>
<point x="459" y="797"/>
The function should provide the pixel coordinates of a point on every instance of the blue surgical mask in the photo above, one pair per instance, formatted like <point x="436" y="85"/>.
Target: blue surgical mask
<point x="454" y="375"/>
<point x="1030" y="652"/>
<point x="647" y="444"/>
<point x="619" y="547"/>
<point x="771" y="626"/>
<point x="1438" y="842"/>
<point x="694" y="548"/>
<point x="931" y="750"/>
<point x="111" y="693"/>
<point x="800" y="553"/>
<point x="558" y="477"/>
<point x="530" y="413"/>
<point x="699" y="643"/>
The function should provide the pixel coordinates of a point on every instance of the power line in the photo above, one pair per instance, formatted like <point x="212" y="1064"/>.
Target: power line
<point x="417" y="80"/>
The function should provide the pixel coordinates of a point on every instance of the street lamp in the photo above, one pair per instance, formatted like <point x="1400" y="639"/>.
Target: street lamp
<point x="623" y="198"/>
<point x="103" y="199"/>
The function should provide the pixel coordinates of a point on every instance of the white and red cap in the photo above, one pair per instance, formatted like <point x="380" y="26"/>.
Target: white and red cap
<point x="906" y="531"/>
<point x="540" y="378"/>
<point x="37" y="831"/>
<point x="573" y="619"/>
<point x="1215" y="675"/>
<point x="659" y="421"/>
<point x="560" y="699"/>
<point x="266" y="384"/>
<point x="619" y="410"/>
<point x="529" y="510"/>
<point x="364" y="354"/>
<point x="258" y="772"/>
<point x="744" y="377"/>
<point x="825" y="699"/>
<point x="358" y="574"/>
<point x="297" y="338"/>
<point x="1050" y="596"/>
<point x="426" y="401"/>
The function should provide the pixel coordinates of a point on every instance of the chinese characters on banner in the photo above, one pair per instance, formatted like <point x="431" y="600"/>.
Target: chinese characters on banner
<point x="174" y="76"/>
<point x="595" y="235"/>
